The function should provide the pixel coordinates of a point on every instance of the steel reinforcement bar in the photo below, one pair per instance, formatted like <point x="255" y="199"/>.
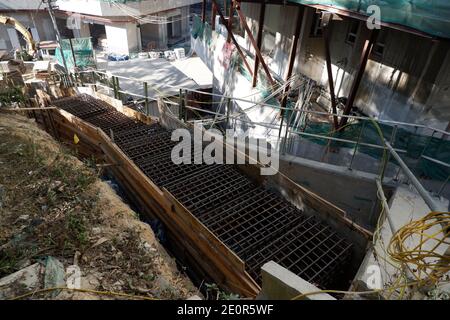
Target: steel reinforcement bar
<point x="256" y="224"/>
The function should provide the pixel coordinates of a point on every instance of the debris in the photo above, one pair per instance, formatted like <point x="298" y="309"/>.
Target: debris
<point x="2" y="191"/>
<point x="21" y="281"/>
<point x="100" y="241"/>
<point x="54" y="274"/>
<point x="85" y="227"/>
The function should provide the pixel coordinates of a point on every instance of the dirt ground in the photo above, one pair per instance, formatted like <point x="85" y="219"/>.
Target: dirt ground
<point x="57" y="215"/>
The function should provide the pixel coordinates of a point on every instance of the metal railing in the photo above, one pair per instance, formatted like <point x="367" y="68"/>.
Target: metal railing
<point x="111" y="83"/>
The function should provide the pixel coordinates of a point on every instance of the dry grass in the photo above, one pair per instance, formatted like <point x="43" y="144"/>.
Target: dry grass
<point x="54" y="205"/>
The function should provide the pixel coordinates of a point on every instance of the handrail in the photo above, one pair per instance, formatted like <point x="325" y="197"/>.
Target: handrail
<point x="430" y="202"/>
<point x="399" y="123"/>
<point x="422" y="191"/>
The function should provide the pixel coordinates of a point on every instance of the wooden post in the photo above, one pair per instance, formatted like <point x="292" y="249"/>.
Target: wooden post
<point x="73" y="54"/>
<point x="203" y="11"/>
<point x="262" y="13"/>
<point x="94" y="81"/>
<point x="180" y="104"/>
<point x="114" y="87"/>
<point x="76" y="78"/>
<point x="228" y="111"/>
<point x="326" y="38"/>
<point x="230" y="18"/>
<point x="238" y="48"/>
<point x="253" y="41"/>
<point x="291" y="62"/>
<point x="147" y="110"/>
<point x="185" y="105"/>
<point x="119" y="95"/>
<point x="213" y="16"/>
<point x="367" y="49"/>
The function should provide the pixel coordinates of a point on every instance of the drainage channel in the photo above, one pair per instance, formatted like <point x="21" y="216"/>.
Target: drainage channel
<point x="256" y="224"/>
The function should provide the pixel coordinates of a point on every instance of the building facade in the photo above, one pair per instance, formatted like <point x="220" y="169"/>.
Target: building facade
<point x="120" y="27"/>
<point x="406" y="76"/>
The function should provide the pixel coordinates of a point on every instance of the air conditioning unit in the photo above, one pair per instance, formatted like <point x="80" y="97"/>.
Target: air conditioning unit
<point x="179" y="53"/>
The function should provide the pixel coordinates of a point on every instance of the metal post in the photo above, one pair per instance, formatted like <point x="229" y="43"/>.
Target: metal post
<point x="213" y="16"/>
<point x="180" y="104"/>
<point x="326" y="38"/>
<point x="292" y="56"/>
<point x="253" y="41"/>
<point x="422" y="191"/>
<point x="367" y="49"/>
<point x="228" y="111"/>
<point x="238" y="48"/>
<point x="441" y="189"/>
<point x="356" y="145"/>
<point x="203" y="11"/>
<point x="73" y="53"/>
<point x="386" y="160"/>
<point x="230" y="18"/>
<point x="259" y="37"/>
<point x="185" y="106"/>
<point x="147" y="110"/>
<point x="94" y="81"/>
<point x="428" y="143"/>
<point x="119" y="95"/>
<point x="115" y="87"/>
<point x="58" y="35"/>
<point x="385" y="205"/>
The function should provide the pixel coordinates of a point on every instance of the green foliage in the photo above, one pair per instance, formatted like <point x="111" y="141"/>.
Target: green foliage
<point x="11" y="94"/>
<point x="213" y="292"/>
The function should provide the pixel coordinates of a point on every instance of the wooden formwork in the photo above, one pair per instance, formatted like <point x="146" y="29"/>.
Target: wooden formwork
<point x="215" y="259"/>
<point x="204" y="250"/>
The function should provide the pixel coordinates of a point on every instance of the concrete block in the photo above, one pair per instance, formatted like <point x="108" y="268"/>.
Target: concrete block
<point x="278" y="283"/>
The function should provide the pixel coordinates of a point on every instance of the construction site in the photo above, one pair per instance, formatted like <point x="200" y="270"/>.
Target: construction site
<point x="245" y="150"/>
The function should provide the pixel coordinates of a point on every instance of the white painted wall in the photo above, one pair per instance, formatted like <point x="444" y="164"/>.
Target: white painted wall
<point x="122" y="38"/>
<point x="92" y="7"/>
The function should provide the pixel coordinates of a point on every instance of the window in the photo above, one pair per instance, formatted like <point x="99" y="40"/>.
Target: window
<point x="316" y="28"/>
<point x="352" y="33"/>
<point x="269" y="42"/>
<point x="378" y="48"/>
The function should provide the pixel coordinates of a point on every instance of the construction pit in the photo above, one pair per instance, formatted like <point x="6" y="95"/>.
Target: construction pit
<point x="223" y="222"/>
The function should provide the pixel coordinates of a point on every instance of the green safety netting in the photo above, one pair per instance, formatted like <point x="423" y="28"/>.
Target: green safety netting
<point x="414" y="144"/>
<point x="197" y="27"/>
<point x="82" y="49"/>
<point x="430" y="16"/>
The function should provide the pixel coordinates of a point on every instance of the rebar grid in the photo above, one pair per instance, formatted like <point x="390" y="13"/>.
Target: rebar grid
<point x="256" y="224"/>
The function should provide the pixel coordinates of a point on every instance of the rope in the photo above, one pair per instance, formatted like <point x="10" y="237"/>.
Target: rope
<point x="108" y="293"/>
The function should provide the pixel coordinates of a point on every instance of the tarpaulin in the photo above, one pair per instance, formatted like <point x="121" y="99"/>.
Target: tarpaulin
<point x="429" y="16"/>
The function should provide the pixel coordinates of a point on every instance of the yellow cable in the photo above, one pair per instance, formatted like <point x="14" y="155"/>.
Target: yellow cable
<point x="109" y="293"/>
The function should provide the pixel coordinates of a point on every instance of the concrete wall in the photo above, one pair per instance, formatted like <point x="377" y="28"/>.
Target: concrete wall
<point x="39" y="23"/>
<point x="83" y="32"/>
<point x="279" y="283"/>
<point x="122" y="37"/>
<point x="351" y="190"/>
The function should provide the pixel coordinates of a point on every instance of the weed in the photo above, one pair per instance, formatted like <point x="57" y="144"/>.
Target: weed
<point x="77" y="229"/>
